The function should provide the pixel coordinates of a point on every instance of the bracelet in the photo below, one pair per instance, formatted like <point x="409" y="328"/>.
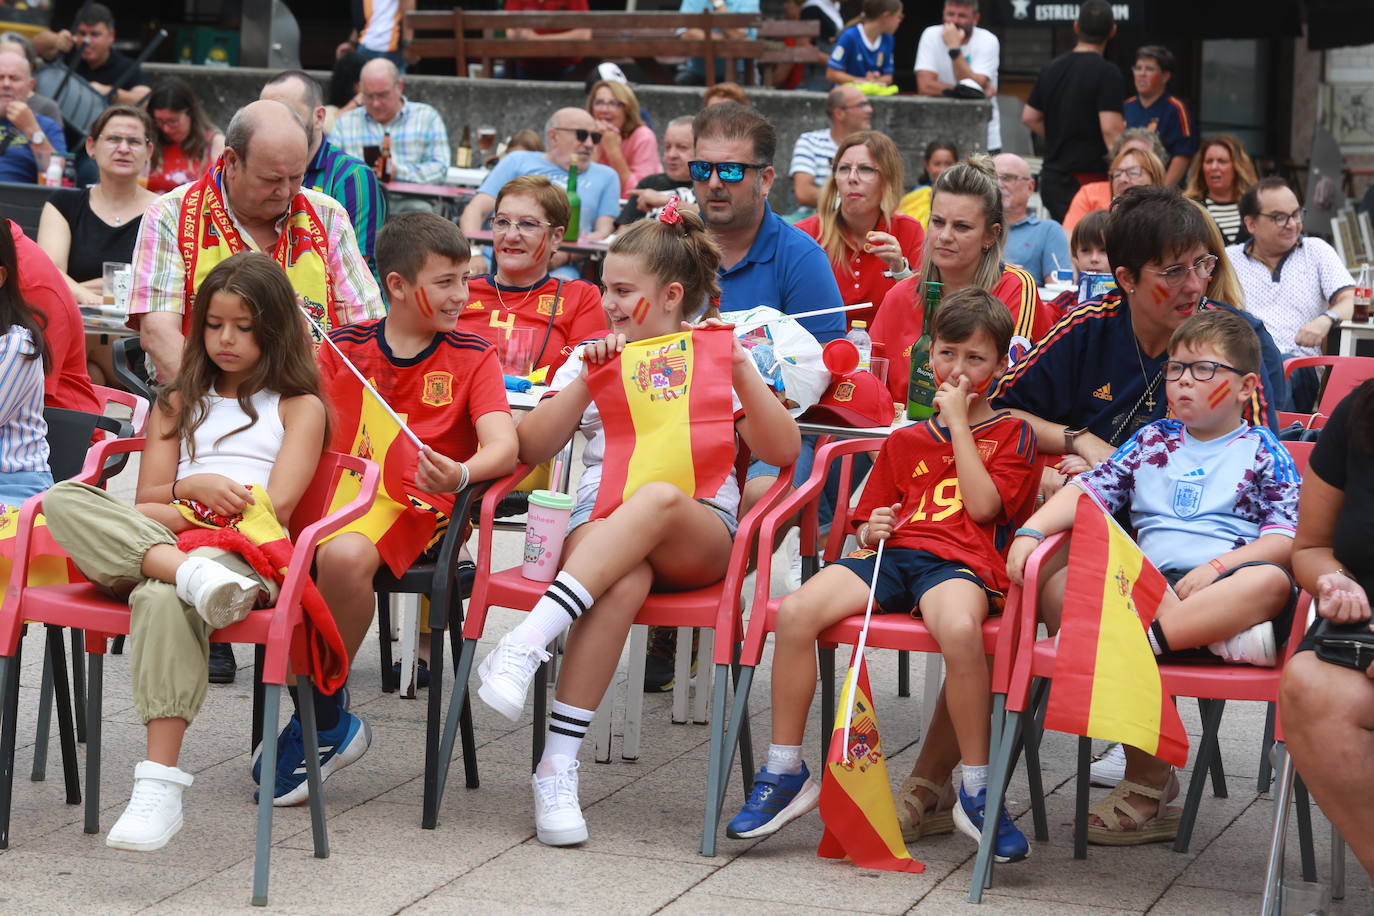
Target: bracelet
<point x="462" y="478"/>
<point x="174" y="491"/>
<point x="902" y="274"/>
<point x="1030" y="533"/>
<point x="1216" y="564"/>
<point x="861" y="536"/>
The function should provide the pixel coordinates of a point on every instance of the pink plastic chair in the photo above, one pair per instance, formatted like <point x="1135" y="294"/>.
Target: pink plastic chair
<point x="1347" y="372"/>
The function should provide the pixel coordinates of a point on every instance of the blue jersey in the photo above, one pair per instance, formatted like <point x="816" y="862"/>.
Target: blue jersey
<point x="855" y="56"/>
<point x="1169" y="118"/>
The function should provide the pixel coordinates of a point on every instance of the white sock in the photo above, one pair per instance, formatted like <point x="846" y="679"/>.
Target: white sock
<point x="564" y="602"/>
<point x="974" y="778"/>
<point x="784" y="759"/>
<point x="567" y="727"/>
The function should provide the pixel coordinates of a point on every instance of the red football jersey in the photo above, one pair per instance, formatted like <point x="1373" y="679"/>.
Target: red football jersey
<point x="860" y="276"/>
<point x="901" y="315"/>
<point x="576" y="316"/>
<point x="916" y="468"/>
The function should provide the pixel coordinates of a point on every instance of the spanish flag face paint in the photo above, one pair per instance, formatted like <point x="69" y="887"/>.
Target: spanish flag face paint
<point x="641" y="311"/>
<point x="422" y="302"/>
<point x="1219" y="395"/>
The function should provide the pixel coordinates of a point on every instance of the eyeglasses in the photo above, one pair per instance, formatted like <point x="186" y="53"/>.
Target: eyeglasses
<point x="117" y="142"/>
<point x="180" y="117"/>
<point x="582" y="133"/>
<point x="1203" y="370"/>
<point x="1131" y="171"/>
<point x="1012" y="179"/>
<point x="862" y="172"/>
<point x="864" y="104"/>
<point x="523" y="226"/>
<point x="607" y="103"/>
<point x="1283" y="219"/>
<point x="1174" y="276"/>
<point x="729" y="172"/>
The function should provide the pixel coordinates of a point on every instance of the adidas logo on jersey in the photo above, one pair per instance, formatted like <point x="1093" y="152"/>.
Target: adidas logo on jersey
<point x="1104" y="393"/>
<point x="919" y="469"/>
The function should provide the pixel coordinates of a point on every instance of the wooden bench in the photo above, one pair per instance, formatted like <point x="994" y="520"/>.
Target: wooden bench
<point x="614" y="35"/>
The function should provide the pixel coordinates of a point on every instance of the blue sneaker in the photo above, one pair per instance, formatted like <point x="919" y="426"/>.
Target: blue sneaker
<point x="339" y="746"/>
<point x="773" y="801"/>
<point x="344" y="699"/>
<point x="1011" y="844"/>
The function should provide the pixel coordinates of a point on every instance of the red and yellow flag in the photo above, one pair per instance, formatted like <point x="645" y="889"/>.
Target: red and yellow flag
<point x="1106" y="679"/>
<point x="403" y="521"/>
<point x="48" y="562"/>
<point x="856" y="799"/>
<point x="666" y="409"/>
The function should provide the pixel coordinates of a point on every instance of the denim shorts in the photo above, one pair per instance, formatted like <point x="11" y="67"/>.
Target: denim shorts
<point x="906" y="575"/>
<point x="582" y="513"/>
<point x="20" y="485"/>
<point x="801" y="470"/>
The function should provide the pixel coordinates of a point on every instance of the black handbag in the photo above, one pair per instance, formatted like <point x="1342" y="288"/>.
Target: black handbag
<point x="1350" y="645"/>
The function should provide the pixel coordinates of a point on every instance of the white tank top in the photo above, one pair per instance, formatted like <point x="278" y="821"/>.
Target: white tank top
<point x="246" y="456"/>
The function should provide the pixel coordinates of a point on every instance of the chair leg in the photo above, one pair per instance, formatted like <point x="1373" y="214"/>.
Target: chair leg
<point x="429" y="814"/>
<point x="903" y="673"/>
<point x="95" y="696"/>
<point x="79" y="682"/>
<point x="634" y="692"/>
<point x="1308" y="854"/>
<point x="457" y="704"/>
<point x="746" y="736"/>
<point x="934" y="679"/>
<point x="470" y="775"/>
<point x="1080" y="815"/>
<point x="406" y="609"/>
<point x="389" y="684"/>
<point x="701" y="697"/>
<point x="9" y="683"/>
<point x="1337" y="864"/>
<point x="62" y="693"/>
<point x="42" y="733"/>
<point x="1207" y="749"/>
<point x="118" y="647"/>
<point x="310" y="732"/>
<point x="715" y="773"/>
<point x="1028" y="738"/>
<point x="259" y="659"/>
<point x="1265" y="773"/>
<point x="827" y="674"/>
<point x="271" y="708"/>
<point x="1273" y="875"/>
<point x="682" y="670"/>
<point x="998" y="770"/>
<point x="602" y="725"/>
<point x="541" y="714"/>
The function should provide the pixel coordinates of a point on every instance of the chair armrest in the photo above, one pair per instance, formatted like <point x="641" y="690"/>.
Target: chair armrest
<point x="1020" y="619"/>
<point x="11" y="624"/>
<point x="93" y="468"/>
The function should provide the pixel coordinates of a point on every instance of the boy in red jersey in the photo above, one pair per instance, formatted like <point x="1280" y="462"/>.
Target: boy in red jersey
<point x="447" y="387"/>
<point x="946" y="493"/>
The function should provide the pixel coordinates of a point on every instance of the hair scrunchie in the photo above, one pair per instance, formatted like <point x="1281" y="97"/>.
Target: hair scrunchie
<point x="669" y="216"/>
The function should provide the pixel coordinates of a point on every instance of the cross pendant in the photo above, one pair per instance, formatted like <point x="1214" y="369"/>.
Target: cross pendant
<point x="1150" y="403"/>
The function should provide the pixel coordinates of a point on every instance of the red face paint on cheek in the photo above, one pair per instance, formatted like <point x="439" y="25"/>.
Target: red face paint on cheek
<point x="422" y="300"/>
<point x="641" y="311"/>
<point x="1216" y="397"/>
<point x="540" y="249"/>
<point x="1160" y="292"/>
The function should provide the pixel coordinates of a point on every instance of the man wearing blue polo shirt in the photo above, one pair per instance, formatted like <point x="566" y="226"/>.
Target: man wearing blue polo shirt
<point x="1037" y="245"/>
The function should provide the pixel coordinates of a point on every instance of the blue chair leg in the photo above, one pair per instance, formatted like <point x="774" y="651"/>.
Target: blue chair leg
<point x="999" y="768"/>
<point x="715" y="774"/>
<point x="310" y="731"/>
<point x="271" y="709"/>
<point x="456" y="703"/>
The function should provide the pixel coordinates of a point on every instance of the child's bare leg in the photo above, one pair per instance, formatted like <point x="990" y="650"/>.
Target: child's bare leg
<point x="1054" y="574"/>
<point x="594" y="644"/>
<point x="954" y="611"/>
<point x="1247" y="597"/>
<point x="162" y="561"/>
<point x="345" y="568"/>
<point x="831" y="595"/>
<point x="164" y="740"/>
<point x="939" y="753"/>
<point x="1145" y="770"/>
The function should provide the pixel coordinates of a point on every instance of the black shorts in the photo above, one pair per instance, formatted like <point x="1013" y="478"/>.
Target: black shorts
<point x="906" y="575"/>
<point x="1283" y="621"/>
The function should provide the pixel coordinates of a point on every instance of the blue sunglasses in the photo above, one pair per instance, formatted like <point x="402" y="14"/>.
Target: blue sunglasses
<point x="729" y="172"/>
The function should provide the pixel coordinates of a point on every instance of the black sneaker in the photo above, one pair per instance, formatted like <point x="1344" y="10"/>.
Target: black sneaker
<point x="660" y="659"/>
<point x="223" y="665"/>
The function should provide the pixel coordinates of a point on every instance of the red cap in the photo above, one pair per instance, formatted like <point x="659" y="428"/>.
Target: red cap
<point x="857" y="399"/>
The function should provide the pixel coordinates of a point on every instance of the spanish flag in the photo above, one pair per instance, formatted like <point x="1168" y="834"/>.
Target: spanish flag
<point x="1106" y="679"/>
<point x="856" y="798"/>
<point x="48" y="562"/>
<point x="403" y="521"/>
<point x="666" y="409"/>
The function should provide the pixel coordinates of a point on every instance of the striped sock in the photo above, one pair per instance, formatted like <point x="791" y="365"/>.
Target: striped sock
<point x="567" y="727"/>
<point x="564" y="602"/>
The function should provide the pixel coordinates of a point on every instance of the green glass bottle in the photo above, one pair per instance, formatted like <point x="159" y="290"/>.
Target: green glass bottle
<point x="921" y="385"/>
<point x="575" y="203"/>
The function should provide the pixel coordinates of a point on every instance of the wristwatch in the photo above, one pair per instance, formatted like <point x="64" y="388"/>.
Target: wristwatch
<point x="1069" y="436"/>
<point x="38" y="138"/>
<point x="954" y="53"/>
<point x="1334" y="315"/>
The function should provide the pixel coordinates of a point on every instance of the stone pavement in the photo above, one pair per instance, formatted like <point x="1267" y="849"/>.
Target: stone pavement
<point x="644" y="817"/>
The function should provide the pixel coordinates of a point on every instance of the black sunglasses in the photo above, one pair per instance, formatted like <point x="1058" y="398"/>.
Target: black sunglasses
<point x="582" y="134"/>
<point x="729" y="172"/>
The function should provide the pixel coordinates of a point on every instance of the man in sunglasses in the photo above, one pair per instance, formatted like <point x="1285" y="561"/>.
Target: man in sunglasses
<point x="569" y="136"/>
<point x="1297" y="285"/>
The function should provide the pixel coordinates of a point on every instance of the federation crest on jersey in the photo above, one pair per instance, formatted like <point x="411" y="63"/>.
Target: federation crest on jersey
<point x="437" y="390"/>
<point x="1188" y="494"/>
<point x="550" y="305"/>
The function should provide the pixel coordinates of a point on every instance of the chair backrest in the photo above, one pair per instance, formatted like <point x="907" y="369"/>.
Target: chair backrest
<point x="23" y="203"/>
<point x="1302" y="453"/>
<point x="138" y="404"/>
<point x="131" y="366"/>
<point x="70" y="433"/>
<point x="315" y="502"/>
<point x="1345" y="375"/>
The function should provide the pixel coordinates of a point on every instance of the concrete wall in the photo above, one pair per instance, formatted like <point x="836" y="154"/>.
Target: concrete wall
<point x="509" y="105"/>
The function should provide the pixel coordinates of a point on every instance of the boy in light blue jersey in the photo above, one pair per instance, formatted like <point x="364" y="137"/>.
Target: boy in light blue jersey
<point x="1214" y="502"/>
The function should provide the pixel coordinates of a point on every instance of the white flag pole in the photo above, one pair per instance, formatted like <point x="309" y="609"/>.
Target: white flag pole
<point x="851" y="681"/>
<point x="359" y="376"/>
<point x="750" y="325"/>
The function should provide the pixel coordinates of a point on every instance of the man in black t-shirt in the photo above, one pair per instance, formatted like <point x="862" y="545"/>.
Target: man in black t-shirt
<point x="653" y="191"/>
<point x="100" y="63"/>
<point x="1076" y="106"/>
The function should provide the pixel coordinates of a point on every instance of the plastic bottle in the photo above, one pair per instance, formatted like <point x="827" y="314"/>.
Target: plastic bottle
<point x="1363" y="295"/>
<point x="53" y="177"/>
<point x="921" y="385"/>
<point x="858" y="336"/>
<point x="575" y="203"/>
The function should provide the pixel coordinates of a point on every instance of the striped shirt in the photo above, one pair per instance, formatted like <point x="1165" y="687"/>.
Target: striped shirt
<point x="159" y="282"/>
<point x="348" y="180"/>
<point x="419" y="140"/>
<point x="1227" y="218"/>
<point x="23" y="432"/>
<point x="813" y="154"/>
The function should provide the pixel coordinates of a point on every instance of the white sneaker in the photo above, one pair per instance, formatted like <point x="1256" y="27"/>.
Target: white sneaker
<point x="220" y="596"/>
<point x="153" y="815"/>
<point x="558" y="817"/>
<point x="1255" y="646"/>
<point x="1110" y="768"/>
<point x="791" y="544"/>
<point x="506" y="675"/>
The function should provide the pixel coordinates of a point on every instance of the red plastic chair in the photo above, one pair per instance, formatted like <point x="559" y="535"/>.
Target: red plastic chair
<point x="139" y="405"/>
<point x="716" y="608"/>
<point x="279" y="630"/>
<point x="887" y="631"/>
<point x="1347" y="372"/>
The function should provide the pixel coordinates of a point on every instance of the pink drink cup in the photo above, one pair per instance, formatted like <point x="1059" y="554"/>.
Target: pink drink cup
<point x="545" y="527"/>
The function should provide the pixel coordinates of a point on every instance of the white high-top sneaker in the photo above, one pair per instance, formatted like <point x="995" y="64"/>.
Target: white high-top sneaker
<point x="220" y="596"/>
<point x="558" y="817"/>
<point x="1255" y="646"/>
<point x="153" y="815"/>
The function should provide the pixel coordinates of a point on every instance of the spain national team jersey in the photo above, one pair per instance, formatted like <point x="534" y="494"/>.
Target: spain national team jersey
<point x="440" y="393"/>
<point x="563" y="314"/>
<point x="901" y="316"/>
<point x="916" y="468"/>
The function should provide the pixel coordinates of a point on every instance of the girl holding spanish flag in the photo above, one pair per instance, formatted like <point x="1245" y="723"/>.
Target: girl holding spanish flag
<point x="660" y="276"/>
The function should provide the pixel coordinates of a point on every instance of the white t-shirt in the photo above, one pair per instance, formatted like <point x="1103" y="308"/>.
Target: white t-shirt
<point x="982" y="51"/>
<point x="382" y="33"/>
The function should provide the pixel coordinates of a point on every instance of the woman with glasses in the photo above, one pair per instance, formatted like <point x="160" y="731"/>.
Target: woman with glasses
<point x="81" y="229"/>
<point x="551" y="314"/>
<point x="627" y="144"/>
<point x="1138" y="161"/>
<point x="870" y="246"/>
<point x="186" y="143"/>
<point x="1221" y="173"/>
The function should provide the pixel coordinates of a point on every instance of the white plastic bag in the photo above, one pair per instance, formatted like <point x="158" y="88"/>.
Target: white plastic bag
<point x="787" y="356"/>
